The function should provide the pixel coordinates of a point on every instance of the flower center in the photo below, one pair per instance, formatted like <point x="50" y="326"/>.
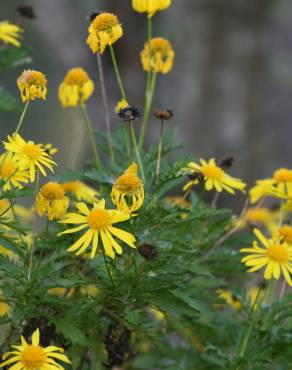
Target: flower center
<point x="128" y="183"/>
<point x="33" y="357"/>
<point x="8" y="168"/>
<point x="286" y="232"/>
<point x="278" y="252"/>
<point x="212" y="172"/>
<point x="76" y="76"/>
<point x="52" y="191"/>
<point x="32" y="151"/>
<point x="105" y="21"/>
<point x="99" y="219"/>
<point x="31" y="77"/>
<point x="283" y="175"/>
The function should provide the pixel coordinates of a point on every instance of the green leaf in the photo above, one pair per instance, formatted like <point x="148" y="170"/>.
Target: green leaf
<point x="7" y="101"/>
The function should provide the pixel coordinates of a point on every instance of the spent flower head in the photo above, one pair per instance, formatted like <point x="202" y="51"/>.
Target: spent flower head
<point x="32" y="85"/>
<point x="157" y="55"/>
<point x="76" y="88"/>
<point x="104" y="30"/>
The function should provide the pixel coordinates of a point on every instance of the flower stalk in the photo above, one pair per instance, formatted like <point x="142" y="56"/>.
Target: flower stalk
<point x="160" y="145"/>
<point x="91" y="136"/>
<point x="22" y="117"/>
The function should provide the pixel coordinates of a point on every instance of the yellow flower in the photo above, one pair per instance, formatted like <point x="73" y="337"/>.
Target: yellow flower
<point x="10" y="173"/>
<point x="276" y="256"/>
<point x="81" y="191"/>
<point x="48" y="148"/>
<point x="158" y="57"/>
<point x="30" y="156"/>
<point x="98" y="222"/>
<point x="259" y="216"/>
<point x="150" y="6"/>
<point x="104" y="30"/>
<point x="5" y="308"/>
<point x="76" y="88"/>
<point x="61" y="292"/>
<point x="89" y="291"/>
<point x="32" y="85"/>
<point x="214" y="177"/>
<point x="178" y="201"/>
<point x="280" y="186"/>
<point x="230" y="299"/>
<point x="33" y="356"/>
<point x="51" y="201"/>
<point x="285" y="232"/>
<point x="10" y="33"/>
<point x="122" y="104"/>
<point x="7" y="253"/>
<point x="128" y="191"/>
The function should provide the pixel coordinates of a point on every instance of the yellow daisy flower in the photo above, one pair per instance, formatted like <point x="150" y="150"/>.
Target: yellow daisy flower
<point x="81" y="191"/>
<point x="280" y="186"/>
<point x="76" y="88"/>
<point x="128" y="191"/>
<point x="275" y="254"/>
<point x="260" y="217"/>
<point x="51" y="201"/>
<point x="30" y="156"/>
<point x="98" y="222"/>
<point x="157" y="56"/>
<point x="228" y="297"/>
<point x="214" y="177"/>
<point x="150" y="6"/>
<point x="10" y="173"/>
<point x="5" y="308"/>
<point x="10" y="33"/>
<point x="32" y="85"/>
<point x="285" y="232"/>
<point x="33" y="356"/>
<point x="61" y="292"/>
<point x="89" y="291"/>
<point x="122" y="104"/>
<point x="104" y="30"/>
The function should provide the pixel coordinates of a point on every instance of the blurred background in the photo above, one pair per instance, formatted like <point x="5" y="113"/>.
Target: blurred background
<point x="230" y="89"/>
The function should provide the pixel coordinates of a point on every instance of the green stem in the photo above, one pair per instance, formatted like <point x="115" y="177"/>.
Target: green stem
<point x="148" y="104"/>
<point x="14" y="215"/>
<point x="105" y="106"/>
<point x="91" y="136"/>
<point x="149" y="73"/>
<point x="22" y="117"/>
<point x="34" y="231"/>
<point x="137" y="152"/>
<point x="107" y="267"/>
<point x="251" y="319"/>
<point x="159" y="151"/>
<point x="117" y="72"/>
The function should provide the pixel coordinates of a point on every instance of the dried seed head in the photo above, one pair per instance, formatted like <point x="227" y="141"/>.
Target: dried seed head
<point x="26" y="11"/>
<point x="149" y="252"/>
<point x="164" y="114"/>
<point x="226" y="162"/>
<point x="129" y="114"/>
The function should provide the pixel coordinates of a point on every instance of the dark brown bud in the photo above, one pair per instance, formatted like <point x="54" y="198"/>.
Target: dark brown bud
<point x="149" y="252"/>
<point x="94" y="14"/>
<point x="26" y="11"/>
<point x="164" y="114"/>
<point x="129" y="114"/>
<point x="226" y="162"/>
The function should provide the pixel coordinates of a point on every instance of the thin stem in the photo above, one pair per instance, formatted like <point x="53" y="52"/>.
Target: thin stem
<point x="107" y="267"/>
<point x="117" y="72"/>
<point x="215" y="200"/>
<point x="22" y="117"/>
<point x="91" y="136"/>
<point x="34" y="231"/>
<point x="149" y="73"/>
<point x="159" y="150"/>
<point x="137" y="152"/>
<point x="148" y="104"/>
<point x="14" y="215"/>
<point x="251" y="319"/>
<point x="282" y="213"/>
<point x="105" y="106"/>
<point x="130" y="141"/>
